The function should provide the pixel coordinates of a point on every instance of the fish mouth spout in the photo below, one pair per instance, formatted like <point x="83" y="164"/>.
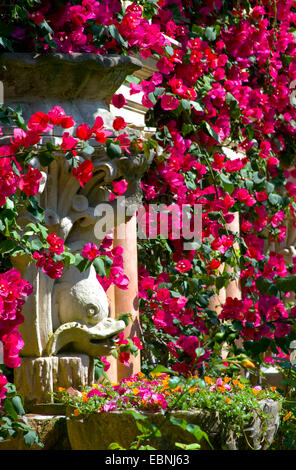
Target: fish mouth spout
<point x="95" y="341"/>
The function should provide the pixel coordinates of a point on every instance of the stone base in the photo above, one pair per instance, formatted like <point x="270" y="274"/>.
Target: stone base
<point x="37" y="378"/>
<point x="52" y="431"/>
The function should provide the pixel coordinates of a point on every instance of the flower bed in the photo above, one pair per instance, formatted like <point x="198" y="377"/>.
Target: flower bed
<point x="228" y="413"/>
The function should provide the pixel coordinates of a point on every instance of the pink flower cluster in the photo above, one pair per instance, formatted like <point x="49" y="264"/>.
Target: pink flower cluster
<point x="116" y="275"/>
<point x="13" y="290"/>
<point x="3" y="390"/>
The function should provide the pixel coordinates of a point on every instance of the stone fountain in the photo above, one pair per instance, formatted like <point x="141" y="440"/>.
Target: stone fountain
<point x="67" y="322"/>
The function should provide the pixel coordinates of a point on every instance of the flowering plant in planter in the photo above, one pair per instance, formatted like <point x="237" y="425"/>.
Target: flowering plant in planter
<point x="233" y="400"/>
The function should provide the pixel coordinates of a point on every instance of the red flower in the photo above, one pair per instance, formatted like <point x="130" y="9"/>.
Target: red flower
<point x="39" y="122"/>
<point x="47" y="265"/>
<point x="183" y="266"/>
<point x="69" y="143"/>
<point x="31" y="181"/>
<point x="67" y="122"/>
<point x="100" y="133"/>
<point x="118" y="100"/>
<point x="83" y="132"/>
<point x="90" y="251"/>
<point x="84" y="172"/>
<point x="119" y="123"/>
<point x="37" y="17"/>
<point x="56" y="243"/>
<point x="169" y="102"/>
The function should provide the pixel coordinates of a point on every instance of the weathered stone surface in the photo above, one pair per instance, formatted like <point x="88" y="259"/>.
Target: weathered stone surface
<point x="39" y="377"/>
<point x="51" y="430"/>
<point x="98" y="431"/>
<point x="77" y="82"/>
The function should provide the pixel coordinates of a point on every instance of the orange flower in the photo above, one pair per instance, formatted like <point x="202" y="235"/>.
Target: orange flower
<point x="84" y="397"/>
<point x="226" y="379"/>
<point x="208" y="380"/>
<point x="273" y="388"/>
<point x="288" y="416"/>
<point x="221" y="389"/>
<point x="135" y="391"/>
<point x="228" y="400"/>
<point x="76" y="412"/>
<point x="248" y="364"/>
<point x="140" y="374"/>
<point x="238" y="384"/>
<point x="61" y="389"/>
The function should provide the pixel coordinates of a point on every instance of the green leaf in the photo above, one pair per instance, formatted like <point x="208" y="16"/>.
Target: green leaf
<point x="275" y="199"/>
<point x="125" y="317"/>
<point x="208" y="130"/>
<point x="199" y="352"/>
<point x="115" y="446"/>
<point x="194" y="446"/>
<point x="136" y="415"/>
<point x="163" y="370"/>
<point x="45" y="158"/>
<point x="286" y="284"/>
<point x="197" y="106"/>
<point x="68" y="258"/>
<point x="99" y="266"/>
<point x="82" y="263"/>
<point x="18" y="404"/>
<point x="227" y="184"/>
<point x="263" y="284"/>
<point x="44" y="25"/>
<point x="132" y="79"/>
<point x="9" y="408"/>
<point x="169" y="50"/>
<point x="113" y="150"/>
<point x="35" y="209"/>
<point x="88" y="149"/>
<point x="117" y="36"/>
<point x="174" y="382"/>
<point x="194" y="429"/>
<point x="7" y="246"/>
<point x="30" y="438"/>
<point x="99" y="369"/>
<point x="36" y="245"/>
<point x="4" y="42"/>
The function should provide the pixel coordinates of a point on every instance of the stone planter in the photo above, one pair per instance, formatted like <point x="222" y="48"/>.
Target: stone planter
<point x="82" y="84"/>
<point x="98" y="431"/>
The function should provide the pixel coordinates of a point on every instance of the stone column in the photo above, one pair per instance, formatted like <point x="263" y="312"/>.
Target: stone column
<point x="234" y="289"/>
<point x="126" y="301"/>
<point x="112" y="372"/>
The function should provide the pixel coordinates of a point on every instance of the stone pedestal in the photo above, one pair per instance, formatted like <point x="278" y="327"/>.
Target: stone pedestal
<point x="38" y="378"/>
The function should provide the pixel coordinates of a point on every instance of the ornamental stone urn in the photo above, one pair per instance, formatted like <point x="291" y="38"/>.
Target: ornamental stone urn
<point x="67" y="320"/>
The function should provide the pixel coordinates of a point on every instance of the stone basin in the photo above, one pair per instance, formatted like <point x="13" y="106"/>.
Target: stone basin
<point x="98" y="431"/>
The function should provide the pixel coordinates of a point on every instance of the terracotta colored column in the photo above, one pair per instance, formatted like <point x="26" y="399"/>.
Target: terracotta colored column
<point x="126" y="301"/>
<point x="218" y="299"/>
<point x="234" y="289"/>
<point x="112" y="371"/>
